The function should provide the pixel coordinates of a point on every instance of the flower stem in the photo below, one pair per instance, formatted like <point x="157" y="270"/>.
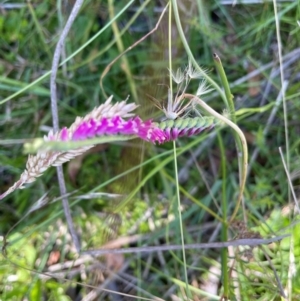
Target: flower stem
<point x="242" y="141"/>
<point x="180" y="221"/>
<point x="224" y="230"/>
<point x="231" y="109"/>
<point x="175" y="165"/>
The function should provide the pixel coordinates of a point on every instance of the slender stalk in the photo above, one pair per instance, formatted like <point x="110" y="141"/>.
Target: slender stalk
<point x="242" y="141"/>
<point x="175" y="165"/>
<point x="180" y="221"/>
<point x="170" y="49"/>
<point x="55" y="120"/>
<point x="286" y="125"/>
<point x="224" y="229"/>
<point x="297" y="208"/>
<point x="197" y="246"/>
<point x="56" y="59"/>
<point x="231" y="109"/>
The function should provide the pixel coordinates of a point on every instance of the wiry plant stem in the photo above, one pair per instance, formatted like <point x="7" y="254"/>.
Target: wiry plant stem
<point x="200" y="246"/>
<point x="286" y="128"/>
<point x="224" y="228"/>
<point x="224" y="231"/>
<point x="175" y="165"/>
<point x="243" y="142"/>
<point x="55" y="120"/>
<point x="55" y="62"/>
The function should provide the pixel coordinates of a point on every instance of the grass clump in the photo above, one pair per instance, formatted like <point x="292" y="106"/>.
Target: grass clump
<point x="126" y="194"/>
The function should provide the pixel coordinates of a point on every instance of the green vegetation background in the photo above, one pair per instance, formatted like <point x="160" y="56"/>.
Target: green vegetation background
<point x="32" y="220"/>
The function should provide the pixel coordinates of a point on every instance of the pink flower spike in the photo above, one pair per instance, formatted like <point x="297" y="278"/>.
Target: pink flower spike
<point x="193" y="132"/>
<point x="50" y="136"/>
<point x="80" y="132"/>
<point x="137" y="126"/>
<point x="168" y="134"/>
<point x="149" y="131"/>
<point x="102" y="126"/>
<point x="158" y="135"/>
<point x="64" y="135"/>
<point x="198" y="131"/>
<point x="129" y="128"/>
<point x="138" y="121"/>
<point x="91" y="127"/>
<point x="175" y="133"/>
<point x="94" y="123"/>
<point x="115" y="125"/>
<point x="174" y="129"/>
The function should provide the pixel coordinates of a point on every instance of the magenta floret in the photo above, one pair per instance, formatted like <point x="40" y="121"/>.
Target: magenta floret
<point x="116" y="125"/>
